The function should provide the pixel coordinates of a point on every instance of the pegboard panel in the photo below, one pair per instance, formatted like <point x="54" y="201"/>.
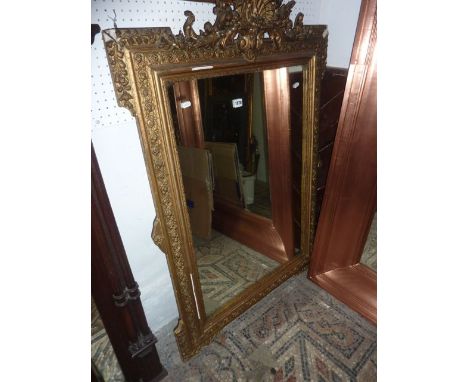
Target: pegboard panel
<point x="147" y="13"/>
<point x="105" y="112"/>
<point x="310" y="9"/>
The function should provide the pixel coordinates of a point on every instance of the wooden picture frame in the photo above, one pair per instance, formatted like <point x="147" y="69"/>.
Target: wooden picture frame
<point x="350" y="200"/>
<point x="144" y="61"/>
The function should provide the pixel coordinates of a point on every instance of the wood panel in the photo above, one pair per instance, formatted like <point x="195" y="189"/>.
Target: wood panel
<point x="116" y="293"/>
<point x="277" y="109"/>
<point x="296" y="95"/>
<point x="331" y="98"/>
<point x="351" y="195"/>
<point x="332" y="91"/>
<point x="190" y="118"/>
<point x="252" y="230"/>
<point x="355" y="286"/>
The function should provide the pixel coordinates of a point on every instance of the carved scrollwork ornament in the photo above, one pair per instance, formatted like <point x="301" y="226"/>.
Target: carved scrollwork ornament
<point x="240" y="25"/>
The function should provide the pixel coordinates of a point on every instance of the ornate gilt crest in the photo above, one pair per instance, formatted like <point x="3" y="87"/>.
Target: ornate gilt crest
<point x="242" y="28"/>
<point x="241" y="25"/>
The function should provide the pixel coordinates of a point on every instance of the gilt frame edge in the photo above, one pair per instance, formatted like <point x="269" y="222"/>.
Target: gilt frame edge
<point x="132" y="62"/>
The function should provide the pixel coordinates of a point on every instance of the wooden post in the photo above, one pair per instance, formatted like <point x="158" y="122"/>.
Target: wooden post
<point x="116" y="293"/>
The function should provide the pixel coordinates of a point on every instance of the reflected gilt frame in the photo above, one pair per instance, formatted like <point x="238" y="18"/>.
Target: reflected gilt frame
<point x="247" y="36"/>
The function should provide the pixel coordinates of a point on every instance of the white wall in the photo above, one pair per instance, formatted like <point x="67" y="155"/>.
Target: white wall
<point x="341" y="17"/>
<point x="116" y="140"/>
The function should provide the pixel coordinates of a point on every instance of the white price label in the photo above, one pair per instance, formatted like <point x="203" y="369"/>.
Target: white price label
<point x="185" y="104"/>
<point x="237" y="103"/>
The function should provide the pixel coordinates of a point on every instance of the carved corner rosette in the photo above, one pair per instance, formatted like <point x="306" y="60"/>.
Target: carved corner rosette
<point x="120" y="75"/>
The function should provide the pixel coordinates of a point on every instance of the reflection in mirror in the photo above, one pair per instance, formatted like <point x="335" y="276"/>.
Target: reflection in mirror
<point x="369" y="254"/>
<point x="226" y="268"/>
<point x="295" y="93"/>
<point x="235" y="132"/>
<point x="223" y="140"/>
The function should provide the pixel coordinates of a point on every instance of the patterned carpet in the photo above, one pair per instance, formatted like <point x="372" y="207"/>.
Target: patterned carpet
<point x="102" y="353"/>
<point x="369" y="254"/>
<point x="226" y="268"/>
<point x="297" y="333"/>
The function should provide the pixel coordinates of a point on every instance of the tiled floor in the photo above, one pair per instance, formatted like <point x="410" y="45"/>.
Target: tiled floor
<point x="297" y="333"/>
<point x="226" y="268"/>
<point x="102" y="353"/>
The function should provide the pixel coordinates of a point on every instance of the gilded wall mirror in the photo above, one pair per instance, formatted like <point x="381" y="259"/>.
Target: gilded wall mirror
<point x="228" y="120"/>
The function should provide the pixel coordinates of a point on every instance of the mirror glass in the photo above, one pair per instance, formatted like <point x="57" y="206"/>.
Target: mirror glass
<point x="295" y="77"/>
<point x="233" y="119"/>
<point x="223" y="140"/>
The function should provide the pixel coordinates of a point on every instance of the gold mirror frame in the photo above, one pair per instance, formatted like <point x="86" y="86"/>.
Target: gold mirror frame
<point x="247" y="36"/>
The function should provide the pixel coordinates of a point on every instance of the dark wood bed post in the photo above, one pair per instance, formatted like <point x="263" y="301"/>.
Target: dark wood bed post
<point x="116" y="293"/>
<point x="350" y="199"/>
